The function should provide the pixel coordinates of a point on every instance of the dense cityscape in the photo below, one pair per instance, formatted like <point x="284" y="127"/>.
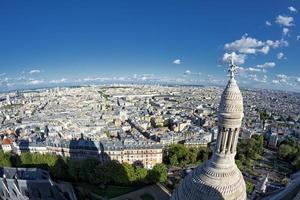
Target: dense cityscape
<point x="149" y="100"/>
<point x="146" y="125"/>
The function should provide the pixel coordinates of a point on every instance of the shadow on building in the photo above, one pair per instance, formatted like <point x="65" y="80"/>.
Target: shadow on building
<point x="32" y="183"/>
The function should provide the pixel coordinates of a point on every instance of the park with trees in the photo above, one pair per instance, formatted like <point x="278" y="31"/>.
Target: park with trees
<point x="89" y="175"/>
<point x="249" y="151"/>
<point x="289" y="150"/>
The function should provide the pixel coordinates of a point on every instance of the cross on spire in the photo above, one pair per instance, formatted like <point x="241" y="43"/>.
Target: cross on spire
<point x="232" y="67"/>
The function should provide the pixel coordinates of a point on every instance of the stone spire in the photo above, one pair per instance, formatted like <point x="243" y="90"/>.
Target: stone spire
<point x="232" y="68"/>
<point x="264" y="184"/>
<point x="219" y="178"/>
<point x="230" y="116"/>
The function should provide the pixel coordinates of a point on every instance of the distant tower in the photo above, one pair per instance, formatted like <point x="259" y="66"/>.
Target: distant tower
<point x="8" y="102"/>
<point x="264" y="184"/>
<point x="219" y="178"/>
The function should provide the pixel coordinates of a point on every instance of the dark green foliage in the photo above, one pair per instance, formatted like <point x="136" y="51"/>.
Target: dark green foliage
<point x="249" y="150"/>
<point x="89" y="170"/>
<point x="140" y="174"/>
<point x="5" y="159"/>
<point x="249" y="187"/>
<point x="289" y="150"/>
<point x="103" y="174"/>
<point x="60" y="169"/>
<point x="179" y="155"/>
<point x="159" y="173"/>
<point x="73" y="170"/>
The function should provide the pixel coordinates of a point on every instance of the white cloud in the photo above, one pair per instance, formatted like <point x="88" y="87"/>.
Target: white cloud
<point x="252" y="69"/>
<point x="245" y="45"/>
<point x="285" y="20"/>
<point x="286" y="80"/>
<point x="177" y="62"/>
<point x="238" y="58"/>
<point x="59" y="81"/>
<point x="187" y="72"/>
<point x="267" y="65"/>
<point x="268" y="23"/>
<point x="265" y="50"/>
<point x="35" y="82"/>
<point x="292" y="9"/>
<point x="280" y="56"/>
<point x="277" y="43"/>
<point x="253" y="77"/>
<point x="285" y="31"/>
<point x="34" y="71"/>
<point x="2" y="74"/>
<point x="298" y="37"/>
<point x="282" y="76"/>
<point x="248" y="45"/>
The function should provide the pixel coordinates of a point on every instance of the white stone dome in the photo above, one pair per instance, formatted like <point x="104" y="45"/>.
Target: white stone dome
<point x="212" y="181"/>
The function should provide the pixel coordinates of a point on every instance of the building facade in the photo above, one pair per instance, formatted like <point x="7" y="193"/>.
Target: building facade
<point x="134" y="152"/>
<point x="32" y="183"/>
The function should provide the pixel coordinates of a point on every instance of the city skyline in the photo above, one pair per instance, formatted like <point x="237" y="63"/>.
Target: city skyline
<point x="63" y="43"/>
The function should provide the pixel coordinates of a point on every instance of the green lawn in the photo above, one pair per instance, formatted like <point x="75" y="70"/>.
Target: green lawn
<point x="147" y="197"/>
<point x="111" y="191"/>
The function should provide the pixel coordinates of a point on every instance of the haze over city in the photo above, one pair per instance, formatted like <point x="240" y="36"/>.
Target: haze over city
<point x="51" y="43"/>
<point x="149" y="100"/>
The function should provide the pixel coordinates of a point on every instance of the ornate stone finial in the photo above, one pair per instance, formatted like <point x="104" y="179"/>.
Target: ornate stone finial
<point x="232" y="67"/>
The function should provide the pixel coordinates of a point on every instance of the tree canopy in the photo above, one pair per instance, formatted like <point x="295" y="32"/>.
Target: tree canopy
<point x="289" y="150"/>
<point x="249" y="150"/>
<point x="89" y="170"/>
<point x="180" y="155"/>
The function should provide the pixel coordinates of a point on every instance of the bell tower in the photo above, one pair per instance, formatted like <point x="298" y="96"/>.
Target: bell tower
<point x="219" y="178"/>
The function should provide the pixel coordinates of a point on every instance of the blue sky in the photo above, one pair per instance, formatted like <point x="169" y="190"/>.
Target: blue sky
<point x="76" y="42"/>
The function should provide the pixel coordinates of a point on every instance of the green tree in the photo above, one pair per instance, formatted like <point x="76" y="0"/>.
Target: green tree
<point x="296" y="162"/>
<point x="179" y="155"/>
<point x="239" y="164"/>
<point x="116" y="173"/>
<point x="159" y="173"/>
<point x="192" y="155"/>
<point x="180" y="151"/>
<point x="285" y="150"/>
<point x="26" y="158"/>
<point x="101" y="174"/>
<point x="203" y="154"/>
<point x="129" y="172"/>
<point x="249" y="187"/>
<point x="5" y="159"/>
<point x="173" y="160"/>
<point x="73" y="170"/>
<point x="60" y="169"/>
<point x="140" y="174"/>
<point x="87" y="170"/>
<point x="249" y="150"/>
